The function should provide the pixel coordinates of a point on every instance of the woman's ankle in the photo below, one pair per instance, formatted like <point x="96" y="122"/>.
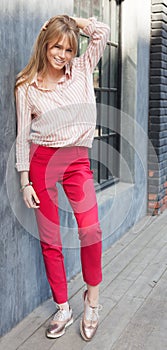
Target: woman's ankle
<point x="93" y="295"/>
<point x="93" y="302"/>
<point x="64" y="306"/>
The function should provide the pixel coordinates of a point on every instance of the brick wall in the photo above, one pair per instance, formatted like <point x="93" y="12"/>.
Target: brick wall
<point x="157" y="162"/>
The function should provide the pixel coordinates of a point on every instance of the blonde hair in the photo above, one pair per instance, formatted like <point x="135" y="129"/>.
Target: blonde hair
<point x="54" y="29"/>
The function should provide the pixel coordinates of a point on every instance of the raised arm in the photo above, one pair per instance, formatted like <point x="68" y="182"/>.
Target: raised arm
<point x="99" y="34"/>
<point x="82" y="22"/>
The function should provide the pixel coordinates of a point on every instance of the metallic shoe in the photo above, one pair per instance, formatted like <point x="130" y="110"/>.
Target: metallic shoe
<point x="90" y="320"/>
<point x="61" y="320"/>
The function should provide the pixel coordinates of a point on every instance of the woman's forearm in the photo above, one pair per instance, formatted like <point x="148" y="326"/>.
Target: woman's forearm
<point x="24" y="177"/>
<point x="81" y="22"/>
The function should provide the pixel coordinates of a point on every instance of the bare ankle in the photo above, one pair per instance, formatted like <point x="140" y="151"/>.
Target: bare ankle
<point x="93" y="302"/>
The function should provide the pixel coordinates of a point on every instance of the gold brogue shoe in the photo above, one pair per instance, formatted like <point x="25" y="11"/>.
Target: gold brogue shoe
<point x="62" y="319"/>
<point x="90" y="320"/>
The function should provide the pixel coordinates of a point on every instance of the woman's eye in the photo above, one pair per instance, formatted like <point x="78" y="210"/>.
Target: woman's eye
<point x="58" y="47"/>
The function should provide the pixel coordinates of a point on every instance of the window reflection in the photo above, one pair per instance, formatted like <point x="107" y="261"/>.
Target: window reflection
<point x="85" y="8"/>
<point x="96" y="77"/>
<point x="83" y="43"/>
<point x="97" y="9"/>
<point x="106" y="66"/>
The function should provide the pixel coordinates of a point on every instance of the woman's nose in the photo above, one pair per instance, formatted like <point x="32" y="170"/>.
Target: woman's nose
<point x="62" y="54"/>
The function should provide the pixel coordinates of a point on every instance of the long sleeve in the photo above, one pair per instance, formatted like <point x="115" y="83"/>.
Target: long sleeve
<point x="99" y="34"/>
<point x="39" y="112"/>
<point x="23" y="129"/>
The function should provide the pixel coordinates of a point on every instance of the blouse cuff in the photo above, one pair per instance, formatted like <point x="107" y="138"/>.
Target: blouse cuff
<point x="22" y="166"/>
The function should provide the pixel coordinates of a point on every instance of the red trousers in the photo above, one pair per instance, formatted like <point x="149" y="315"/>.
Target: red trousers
<point x="69" y="166"/>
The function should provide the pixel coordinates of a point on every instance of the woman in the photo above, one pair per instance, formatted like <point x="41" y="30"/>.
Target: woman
<point x="56" y="116"/>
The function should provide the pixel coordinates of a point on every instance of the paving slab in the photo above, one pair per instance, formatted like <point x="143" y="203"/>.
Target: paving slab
<point x="133" y="296"/>
<point x="148" y="328"/>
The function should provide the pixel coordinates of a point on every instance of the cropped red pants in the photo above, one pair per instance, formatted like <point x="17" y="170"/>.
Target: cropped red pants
<point x="69" y="166"/>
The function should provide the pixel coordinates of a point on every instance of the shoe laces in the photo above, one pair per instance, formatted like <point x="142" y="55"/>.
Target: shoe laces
<point x="91" y="313"/>
<point x="61" y="315"/>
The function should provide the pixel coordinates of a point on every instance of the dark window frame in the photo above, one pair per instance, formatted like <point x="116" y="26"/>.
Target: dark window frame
<point x="103" y="175"/>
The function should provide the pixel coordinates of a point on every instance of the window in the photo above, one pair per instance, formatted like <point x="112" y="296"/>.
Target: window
<point x="104" y="154"/>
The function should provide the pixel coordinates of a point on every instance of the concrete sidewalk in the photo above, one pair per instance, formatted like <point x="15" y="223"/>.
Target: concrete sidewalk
<point x="133" y="295"/>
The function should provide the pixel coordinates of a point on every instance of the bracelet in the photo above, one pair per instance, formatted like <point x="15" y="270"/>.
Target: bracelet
<point x="24" y="186"/>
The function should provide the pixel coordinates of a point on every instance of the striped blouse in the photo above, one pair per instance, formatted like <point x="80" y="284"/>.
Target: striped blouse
<point x="66" y="115"/>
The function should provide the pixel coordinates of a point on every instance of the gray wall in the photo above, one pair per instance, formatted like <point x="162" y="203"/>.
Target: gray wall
<point x="135" y="94"/>
<point x="23" y="283"/>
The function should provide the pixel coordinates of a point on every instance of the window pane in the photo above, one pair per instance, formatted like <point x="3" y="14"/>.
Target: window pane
<point x="94" y="155"/>
<point x="104" y="97"/>
<point x="76" y="8"/>
<point x="97" y="9"/>
<point x="96" y="77"/>
<point x="83" y="43"/>
<point x="85" y="8"/>
<point x="106" y="12"/>
<point x="113" y="156"/>
<point x="113" y="114"/>
<point x="104" y="113"/>
<point x="113" y="99"/>
<point x="113" y="67"/>
<point x="105" y="67"/>
<point x="103" y="162"/>
<point x="115" y="21"/>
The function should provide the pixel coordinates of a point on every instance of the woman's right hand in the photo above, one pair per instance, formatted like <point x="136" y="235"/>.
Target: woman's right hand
<point x="30" y="198"/>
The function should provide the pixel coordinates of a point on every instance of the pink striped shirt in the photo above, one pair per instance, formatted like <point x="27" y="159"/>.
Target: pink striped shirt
<point x="66" y="115"/>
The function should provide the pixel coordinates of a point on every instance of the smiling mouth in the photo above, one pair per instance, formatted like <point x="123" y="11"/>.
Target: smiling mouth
<point x="59" y="61"/>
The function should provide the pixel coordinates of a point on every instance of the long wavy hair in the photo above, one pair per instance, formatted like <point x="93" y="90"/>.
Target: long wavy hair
<point x="54" y="29"/>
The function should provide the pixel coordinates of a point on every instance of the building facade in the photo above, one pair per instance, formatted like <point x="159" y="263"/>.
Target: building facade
<point x="129" y="151"/>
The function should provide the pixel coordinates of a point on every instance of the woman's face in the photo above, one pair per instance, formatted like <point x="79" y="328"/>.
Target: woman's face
<point x="59" y="54"/>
